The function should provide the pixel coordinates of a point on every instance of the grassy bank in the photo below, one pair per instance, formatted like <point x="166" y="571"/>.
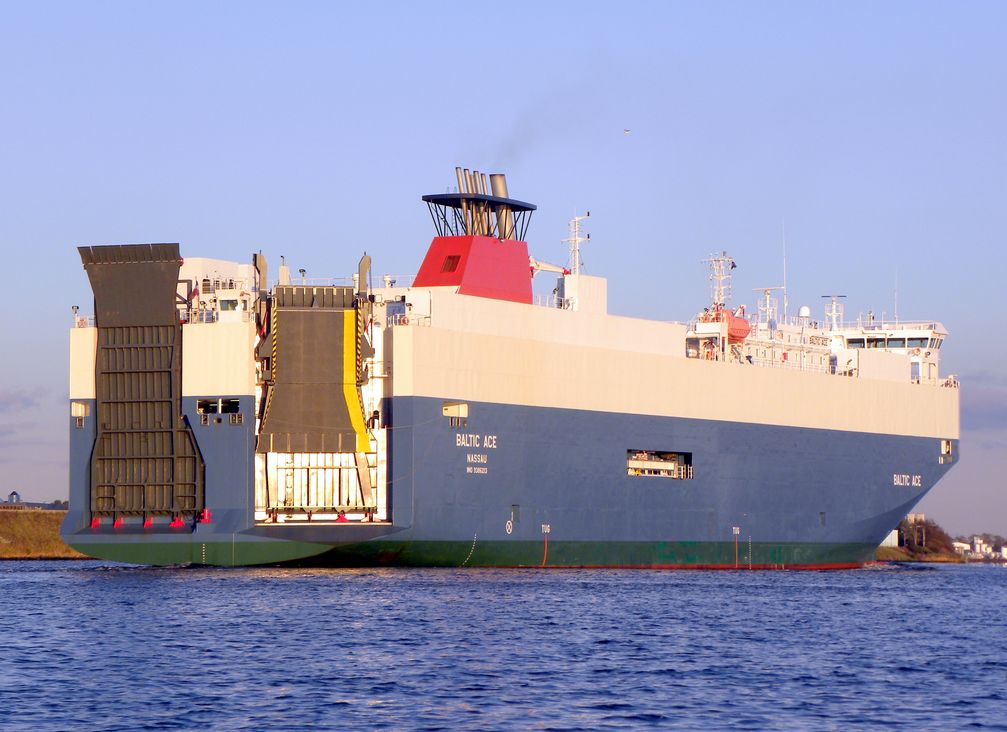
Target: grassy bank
<point x="900" y="554"/>
<point x="33" y="535"/>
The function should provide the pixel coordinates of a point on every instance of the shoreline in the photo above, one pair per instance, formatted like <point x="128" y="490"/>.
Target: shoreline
<point x="888" y="554"/>
<point x="33" y="534"/>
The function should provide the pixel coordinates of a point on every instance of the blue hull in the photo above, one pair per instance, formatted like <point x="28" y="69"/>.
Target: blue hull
<point x="531" y="486"/>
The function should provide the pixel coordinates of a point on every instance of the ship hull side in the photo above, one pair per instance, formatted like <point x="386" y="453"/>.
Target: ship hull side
<point x="521" y="486"/>
<point x="553" y="490"/>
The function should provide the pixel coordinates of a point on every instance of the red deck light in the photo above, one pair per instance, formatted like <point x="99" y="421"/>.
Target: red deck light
<point x="117" y="524"/>
<point x="206" y="517"/>
<point x="176" y="523"/>
<point x="148" y="522"/>
<point x="96" y="523"/>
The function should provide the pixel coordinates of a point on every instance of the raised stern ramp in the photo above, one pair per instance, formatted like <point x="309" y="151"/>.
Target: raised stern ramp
<point x="145" y="460"/>
<point x="315" y="457"/>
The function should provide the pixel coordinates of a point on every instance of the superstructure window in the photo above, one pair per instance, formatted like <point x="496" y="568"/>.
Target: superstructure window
<point x="917" y="343"/>
<point x="896" y="342"/>
<point x="875" y="342"/>
<point x="218" y="406"/>
<point x="456" y="412"/>
<point x="855" y="343"/>
<point x="659" y="464"/>
<point x="80" y="409"/>
<point x="451" y="263"/>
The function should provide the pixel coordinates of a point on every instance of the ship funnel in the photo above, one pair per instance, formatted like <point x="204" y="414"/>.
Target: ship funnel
<point x="481" y="207"/>
<point x="505" y="217"/>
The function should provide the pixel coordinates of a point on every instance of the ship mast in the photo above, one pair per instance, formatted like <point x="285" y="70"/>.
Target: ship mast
<point x="768" y="306"/>
<point x="575" y="240"/>
<point x="720" y="278"/>
<point x="834" y="312"/>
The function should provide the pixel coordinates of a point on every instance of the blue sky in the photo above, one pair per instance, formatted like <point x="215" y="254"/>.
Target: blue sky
<point x="873" y="133"/>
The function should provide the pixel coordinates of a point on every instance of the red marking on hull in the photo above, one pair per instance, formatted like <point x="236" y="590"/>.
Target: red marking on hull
<point x="478" y="265"/>
<point x="723" y="567"/>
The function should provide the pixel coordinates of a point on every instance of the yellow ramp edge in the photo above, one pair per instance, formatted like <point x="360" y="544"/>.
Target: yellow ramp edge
<point x="350" y="391"/>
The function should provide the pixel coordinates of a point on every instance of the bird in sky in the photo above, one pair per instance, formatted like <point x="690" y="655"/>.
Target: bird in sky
<point x="626" y="131"/>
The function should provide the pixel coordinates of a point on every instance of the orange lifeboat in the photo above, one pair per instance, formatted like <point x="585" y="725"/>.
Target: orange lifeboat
<point x="737" y="328"/>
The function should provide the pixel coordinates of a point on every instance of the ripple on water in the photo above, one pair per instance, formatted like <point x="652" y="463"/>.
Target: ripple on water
<point x="108" y="647"/>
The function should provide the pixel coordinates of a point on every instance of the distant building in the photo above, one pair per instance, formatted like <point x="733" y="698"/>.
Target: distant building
<point x="14" y="497"/>
<point x="961" y="547"/>
<point x="892" y="539"/>
<point x="916" y="518"/>
<point x="979" y="546"/>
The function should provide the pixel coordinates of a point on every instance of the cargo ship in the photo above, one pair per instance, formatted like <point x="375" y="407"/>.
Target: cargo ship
<point x="454" y="418"/>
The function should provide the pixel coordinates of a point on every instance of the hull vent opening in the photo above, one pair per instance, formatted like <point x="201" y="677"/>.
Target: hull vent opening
<point x="659" y="464"/>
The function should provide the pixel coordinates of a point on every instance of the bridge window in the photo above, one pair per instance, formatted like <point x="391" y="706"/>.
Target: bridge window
<point x="917" y="343"/>
<point x="896" y="342"/>
<point x="855" y="343"/>
<point x="875" y="342"/>
<point x="659" y="464"/>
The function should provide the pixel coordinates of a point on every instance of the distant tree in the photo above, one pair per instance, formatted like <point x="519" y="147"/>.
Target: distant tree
<point x="994" y="540"/>
<point x="925" y="537"/>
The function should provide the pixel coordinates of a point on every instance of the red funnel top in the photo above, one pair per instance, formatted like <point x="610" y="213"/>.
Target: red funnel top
<point x="482" y="266"/>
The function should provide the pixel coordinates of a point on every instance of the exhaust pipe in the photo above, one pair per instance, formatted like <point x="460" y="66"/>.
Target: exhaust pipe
<point x="505" y="217"/>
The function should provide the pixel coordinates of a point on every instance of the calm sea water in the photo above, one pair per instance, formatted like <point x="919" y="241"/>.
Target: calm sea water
<point x="87" y="645"/>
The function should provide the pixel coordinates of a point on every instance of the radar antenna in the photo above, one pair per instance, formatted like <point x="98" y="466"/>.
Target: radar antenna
<point x="768" y="306"/>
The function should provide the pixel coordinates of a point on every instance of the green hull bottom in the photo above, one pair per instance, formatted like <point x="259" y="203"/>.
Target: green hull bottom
<point x="654" y="555"/>
<point x="221" y="553"/>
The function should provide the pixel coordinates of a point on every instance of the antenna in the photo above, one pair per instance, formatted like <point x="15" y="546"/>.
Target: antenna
<point x="835" y="311"/>
<point x="896" y="295"/>
<point x="575" y="240"/>
<point x="785" y="300"/>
